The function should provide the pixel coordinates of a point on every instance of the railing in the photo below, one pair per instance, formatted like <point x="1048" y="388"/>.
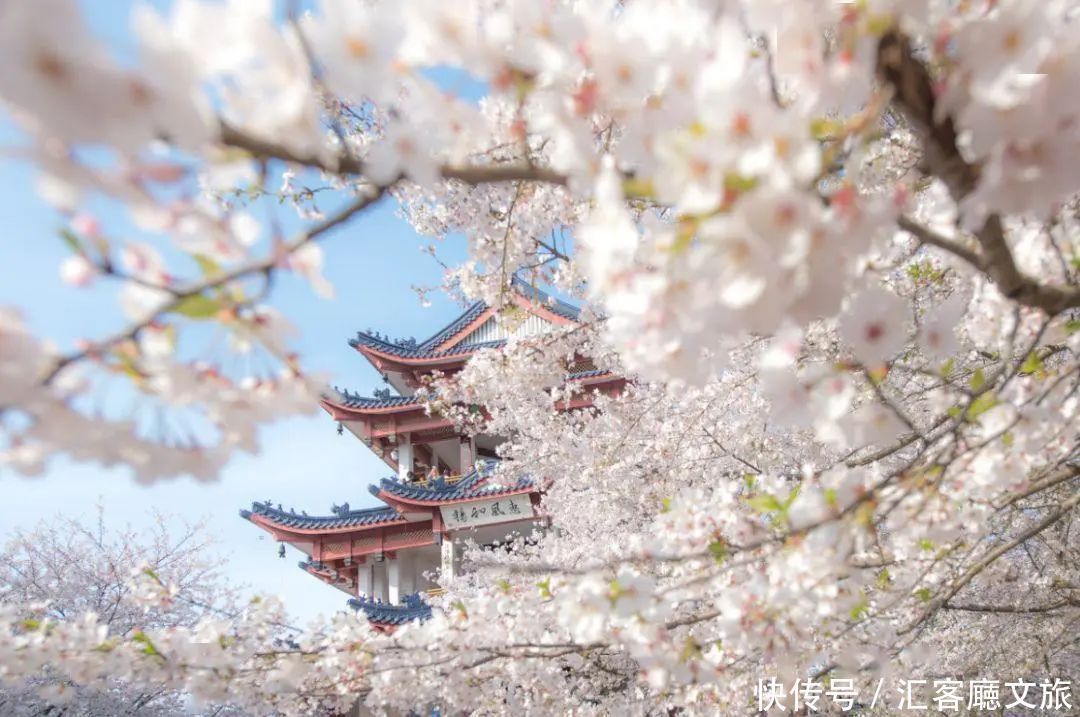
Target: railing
<point x="449" y="480"/>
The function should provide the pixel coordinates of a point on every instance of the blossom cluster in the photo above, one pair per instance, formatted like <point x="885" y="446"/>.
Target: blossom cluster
<point x="832" y="247"/>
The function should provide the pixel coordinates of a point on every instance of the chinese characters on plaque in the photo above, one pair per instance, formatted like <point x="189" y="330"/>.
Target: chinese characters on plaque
<point x="941" y="695"/>
<point x="485" y="512"/>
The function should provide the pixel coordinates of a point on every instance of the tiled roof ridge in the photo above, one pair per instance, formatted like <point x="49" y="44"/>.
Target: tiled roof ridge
<point x="474" y="310"/>
<point x="412" y="607"/>
<point x="342" y="516"/>
<point x="471" y="485"/>
<point x="351" y="399"/>
<point x="545" y="299"/>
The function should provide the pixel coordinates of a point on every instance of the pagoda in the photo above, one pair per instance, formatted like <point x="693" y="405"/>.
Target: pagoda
<point x="389" y="558"/>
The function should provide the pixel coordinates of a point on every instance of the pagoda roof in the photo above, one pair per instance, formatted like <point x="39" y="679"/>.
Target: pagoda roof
<point x="412" y="608"/>
<point x="342" y="519"/>
<point x="471" y="486"/>
<point x="344" y="398"/>
<point x="347" y="399"/>
<point x="440" y="345"/>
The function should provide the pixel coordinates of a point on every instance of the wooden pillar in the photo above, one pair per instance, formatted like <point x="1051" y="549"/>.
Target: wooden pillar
<point x="364" y="584"/>
<point x="405" y="457"/>
<point x="468" y="455"/>
<point x="378" y="587"/>
<point x="393" y="580"/>
<point x="407" y="573"/>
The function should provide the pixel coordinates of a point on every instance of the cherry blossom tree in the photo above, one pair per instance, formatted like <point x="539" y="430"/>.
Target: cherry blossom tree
<point x="64" y="569"/>
<point x="833" y="246"/>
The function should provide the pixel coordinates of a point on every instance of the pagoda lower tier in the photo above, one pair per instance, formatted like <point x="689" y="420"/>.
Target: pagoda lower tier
<point x="387" y="557"/>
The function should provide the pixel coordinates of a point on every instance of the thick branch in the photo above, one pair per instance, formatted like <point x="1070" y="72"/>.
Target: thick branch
<point x="926" y="235"/>
<point x="1011" y="608"/>
<point x="913" y="92"/>
<point x="346" y="165"/>
<point x="1013" y="283"/>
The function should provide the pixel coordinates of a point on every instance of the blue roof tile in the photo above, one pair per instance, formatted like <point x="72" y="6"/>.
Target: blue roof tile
<point x="427" y="348"/>
<point x="412" y="608"/>
<point x="342" y="516"/>
<point x="354" y="400"/>
<point x="543" y="298"/>
<point x="470" y="486"/>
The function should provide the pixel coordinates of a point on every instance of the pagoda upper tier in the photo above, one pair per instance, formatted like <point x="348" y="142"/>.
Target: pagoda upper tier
<point x="399" y="428"/>
<point x="404" y="363"/>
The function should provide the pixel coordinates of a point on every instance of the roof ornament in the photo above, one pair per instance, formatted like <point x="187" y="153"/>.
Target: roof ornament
<point x="281" y="550"/>
<point x="340" y="428"/>
<point x="340" y="510"/>
<point x="382" y="393"/>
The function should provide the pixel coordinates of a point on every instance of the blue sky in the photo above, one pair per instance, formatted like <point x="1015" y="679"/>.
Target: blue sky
<point x="373" y="263"/>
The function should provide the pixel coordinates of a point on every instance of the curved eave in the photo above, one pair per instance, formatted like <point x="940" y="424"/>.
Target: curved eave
<point x="404" y="502"/>
<point x="272" y="526"/>
<point x="387" y="361"/>
<point x="327" y="576"/>
<point x="337" y="409"/>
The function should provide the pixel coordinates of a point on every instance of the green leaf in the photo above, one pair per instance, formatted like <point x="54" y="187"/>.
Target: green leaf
<point x="947" y="367"/>
<point x="977" y="380"/>
<point x="639" y="188"/>
<point x="830" y="497"/>
<point x="764" y="503"/>
<point x="926" y="544"/>
<point x="503" y="584"/>
<point x="860" y="609"/>
<point x="665" y="505"/>
<point x="923" y="594"/>
<point x="1072" y="326"/>
<point x="71" y="240"/>
<point x="883" y="578"/>
<point x="691" y="650"/>
<point x="739" y="183"/>
<point x="981" y="405"/>
<point x="148" y="646"/>
<point x="791" y="497"/>
<point x="198" y="306"/>
<point x="545" y="588"/>
<point x="877" y="374"/>
<point x="1032" y="364"/>
<point x="719" y="550"/>
<point x="208" y="266"/>
<point x="824" y="128"/>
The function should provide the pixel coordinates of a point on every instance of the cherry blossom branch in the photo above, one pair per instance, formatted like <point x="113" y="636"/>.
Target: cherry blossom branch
<point x="926" y="235"/>
<point x="178" y="296"/>
<point x="913" y="88"/>
<point x="344" y="164"/>
<point x="938" y="602"/>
